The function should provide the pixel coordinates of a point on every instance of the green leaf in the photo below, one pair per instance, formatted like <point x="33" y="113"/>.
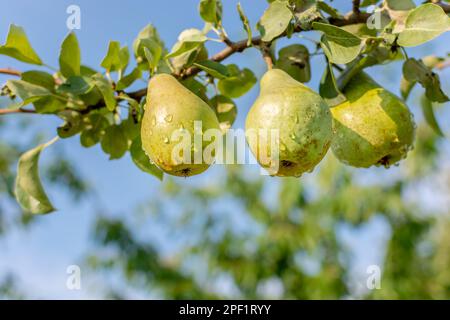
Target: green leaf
<point x="117" y="58"/>
<point x="50" y="104"/>
<point x="72" y="124"/>
<point x="186" y="59"/>
<point x="76" y="85"/>
<point x="87" y="71"/>
<point x="28" y="92"/>
<point x="149" y="38"/>
<point x="142" y="161"/>
<point x="152" y="52"/>
<point x="245" y="23"/>
<point x="128" y="80"/>
<point x="275" y="20"/>
<point x="238" y="83"/>
<point x="406" y="87"/>
<point x="182" y="48"/>
<point x="39" y="78"/>
<point x="360" y="30"/>
<point x="322" y="5"/>
<point x="188" y="40"/>
<point x="124" y="55"/>
<point x="18" y="47"/>
<point x="423" y="24"/>
<point x="416" y="71"/>
<point x="210" y="11"/>
<point x="215" y="69"/>
<point x="196" y="87"/>
<point x="428" y="113"/>
<point x="70" y="56"/>
<point x="94" y="129"/>
<point x="106" y="90"/>
<point x="294" y="60"/>
<point x="339" y="45"/>
<point x="328" y="88"/>
<point x="366" y="3"/>
<point x="29" y="192"/>
<point x="114" y="142"/>
<point x="226" y="111"/>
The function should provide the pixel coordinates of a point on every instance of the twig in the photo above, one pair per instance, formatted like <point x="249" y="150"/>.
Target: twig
<point x="13" y="111"/>
<point x="267" y="56"/>
<point x="356" y="4"/>
<point x="444" y="64"/>
<point x="10" y="72"/>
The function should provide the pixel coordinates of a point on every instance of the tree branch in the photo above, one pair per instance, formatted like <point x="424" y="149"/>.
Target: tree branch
<point x="240" y="46"/>
<point x="356" y="4"/>
<point x="13" y="111"/>
<point x="10" y="72"/>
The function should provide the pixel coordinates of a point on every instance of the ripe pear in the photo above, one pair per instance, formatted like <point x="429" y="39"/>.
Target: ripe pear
<point x="373" y="127"/>
<point x="171" y="107"/>
<point x="302" y="119"/>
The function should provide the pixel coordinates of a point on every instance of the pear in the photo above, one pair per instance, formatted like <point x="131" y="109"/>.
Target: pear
<point x="170" y="107"/>
<point x="373" y="127"/>
<point x="302" y="119"/>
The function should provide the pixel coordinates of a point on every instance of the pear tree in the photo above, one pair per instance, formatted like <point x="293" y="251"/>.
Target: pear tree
<point x="363" y="123"/>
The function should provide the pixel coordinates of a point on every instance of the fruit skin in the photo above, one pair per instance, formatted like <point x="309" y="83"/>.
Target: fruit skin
<point x="170" y="107"/>
<point x="302" y="117"/>
<point x="373" y="127"/>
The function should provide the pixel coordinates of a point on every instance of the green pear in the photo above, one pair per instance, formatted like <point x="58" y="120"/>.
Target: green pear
<point x="373" y="127"/>
<point x="301" y="118"/>
<point x="172" y="108"/>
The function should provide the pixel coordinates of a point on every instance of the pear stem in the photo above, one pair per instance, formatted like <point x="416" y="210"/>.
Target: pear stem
<point x="267" y="56"/>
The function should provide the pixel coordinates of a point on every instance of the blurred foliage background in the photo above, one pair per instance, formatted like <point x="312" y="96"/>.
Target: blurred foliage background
<point x="241" y="235"/>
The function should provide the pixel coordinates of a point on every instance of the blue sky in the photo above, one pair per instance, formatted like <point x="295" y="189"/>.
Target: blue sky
<point x="41" y="255"/>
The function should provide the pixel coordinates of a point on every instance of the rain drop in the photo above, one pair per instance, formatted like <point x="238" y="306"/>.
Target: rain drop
<point x="169" y="118"/>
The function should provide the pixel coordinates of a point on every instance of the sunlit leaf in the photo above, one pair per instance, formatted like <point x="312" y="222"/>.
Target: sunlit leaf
<point x="423" y="24"/>
<point x="18" y="47"/>
<point x="28" y="92"/>
<point x="70" y="56"/>
<point x="39" y="78"/>
<point x="215" y="69"/>
<point x="106" y="90"/>
<point x="29" y="192"/>
<point x="339" y="45"/>
<point x="275" y="20"/>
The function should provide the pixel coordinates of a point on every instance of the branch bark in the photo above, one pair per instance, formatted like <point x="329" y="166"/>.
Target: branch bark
<point x="356" y="4"/>
<point x="240" y="46"/>
<point x="10" y="72"/>
<point x="14" y="111"/>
